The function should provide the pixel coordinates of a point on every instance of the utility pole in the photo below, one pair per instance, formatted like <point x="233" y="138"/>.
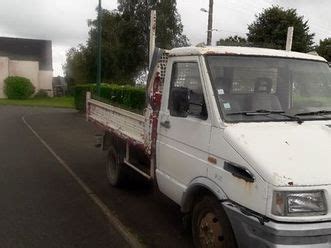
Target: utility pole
<point x="99" y="48"/>
<point x="210" y="23"/>
<point x="152" y="36"/>
<point x="289" y="39"/>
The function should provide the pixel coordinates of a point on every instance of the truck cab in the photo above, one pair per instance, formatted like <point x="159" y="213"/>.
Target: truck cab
<point x="253" y="127"/>
<point x="240" y="139"/>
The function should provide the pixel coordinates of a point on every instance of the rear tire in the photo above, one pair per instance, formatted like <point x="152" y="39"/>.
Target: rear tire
<point x="116" y="171"/>
<point x="210" y="225"/>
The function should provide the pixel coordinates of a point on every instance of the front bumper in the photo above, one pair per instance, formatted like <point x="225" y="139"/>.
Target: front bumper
<point x="250" y="232"/>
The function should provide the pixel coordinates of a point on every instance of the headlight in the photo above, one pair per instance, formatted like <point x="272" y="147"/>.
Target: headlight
<point x="298" y="203"/>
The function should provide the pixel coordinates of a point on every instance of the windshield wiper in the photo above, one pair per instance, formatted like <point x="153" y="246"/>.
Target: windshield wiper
<point x="320" y="112"/>
<point x="268" y="112"/>
<point x="257" y="112"/>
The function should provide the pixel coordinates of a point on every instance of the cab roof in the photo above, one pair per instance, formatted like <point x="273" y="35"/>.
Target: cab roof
<point x="248" y="51"/>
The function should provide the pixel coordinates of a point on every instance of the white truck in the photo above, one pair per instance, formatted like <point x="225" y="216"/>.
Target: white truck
<point x="239" y="137"/>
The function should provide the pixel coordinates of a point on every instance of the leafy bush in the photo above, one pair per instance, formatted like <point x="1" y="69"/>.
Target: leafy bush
<point x="18" y="88"/>
<point x="128" y="97"/>
<point x="41" y="94"/>
<point x="80" y="95"/>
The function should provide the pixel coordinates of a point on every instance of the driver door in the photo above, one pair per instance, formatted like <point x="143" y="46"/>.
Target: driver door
<point x="183" y="135"/>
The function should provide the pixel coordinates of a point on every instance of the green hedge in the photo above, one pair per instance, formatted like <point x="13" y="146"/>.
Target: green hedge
<point x="80" y="95"/>
<point x="18" y="88"/>
<point x="128" y="97"/>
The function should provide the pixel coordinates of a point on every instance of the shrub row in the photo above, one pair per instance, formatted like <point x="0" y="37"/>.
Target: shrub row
<point x="128" y="97"/>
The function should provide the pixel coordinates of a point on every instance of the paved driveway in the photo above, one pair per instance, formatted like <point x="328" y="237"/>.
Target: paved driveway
<point x="42" y="205"/>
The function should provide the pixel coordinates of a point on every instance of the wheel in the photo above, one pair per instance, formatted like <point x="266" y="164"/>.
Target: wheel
<point x="115" y="168"/>
<point x="210" y="226"/>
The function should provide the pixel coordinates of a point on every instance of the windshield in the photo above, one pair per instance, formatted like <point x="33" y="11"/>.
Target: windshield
<point x="255" y="88"/>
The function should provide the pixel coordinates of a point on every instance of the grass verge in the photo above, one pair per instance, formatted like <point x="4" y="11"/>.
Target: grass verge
<point x="54" y="102"/>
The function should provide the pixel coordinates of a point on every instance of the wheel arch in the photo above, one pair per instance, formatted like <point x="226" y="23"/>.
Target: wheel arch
<point x="198" y="188"/>
<point x="110" y="139"/>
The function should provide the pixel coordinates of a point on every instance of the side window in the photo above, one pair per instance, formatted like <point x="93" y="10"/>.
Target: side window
<point x="186" y="94"/>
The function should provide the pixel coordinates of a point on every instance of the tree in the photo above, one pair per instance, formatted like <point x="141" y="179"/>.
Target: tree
<point x="324" y="49"/>
<point x="270" y="29"/>
<point x="77" y="65"/>
<point x="232" y="41"/>
<point x="169" y="27"/>
<point x="125" y="39"/>
<point x="119" y="58"/>
<point x="121" y="54"/>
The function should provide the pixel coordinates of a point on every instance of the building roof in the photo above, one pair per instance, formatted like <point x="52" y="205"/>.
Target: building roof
<point x="28" y="50"/>
<point x="249" y="51"/>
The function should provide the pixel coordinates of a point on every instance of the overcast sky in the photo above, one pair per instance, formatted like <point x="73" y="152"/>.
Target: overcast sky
<point x="65" y="21"/>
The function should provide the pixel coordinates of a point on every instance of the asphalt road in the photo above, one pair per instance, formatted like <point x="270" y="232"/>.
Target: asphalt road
<point x="42" y="205"/>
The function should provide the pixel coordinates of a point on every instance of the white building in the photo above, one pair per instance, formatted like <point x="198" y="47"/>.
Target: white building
<point x="27" y="58"/>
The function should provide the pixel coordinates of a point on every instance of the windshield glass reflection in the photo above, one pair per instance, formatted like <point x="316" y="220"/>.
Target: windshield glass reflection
<point x="252" y="88"/>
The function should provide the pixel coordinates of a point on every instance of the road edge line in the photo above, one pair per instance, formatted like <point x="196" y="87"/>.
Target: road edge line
<point x="117" y="224"/>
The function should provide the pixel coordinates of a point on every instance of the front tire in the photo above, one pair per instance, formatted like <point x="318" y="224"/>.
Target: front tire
<point x="210" y="226"/>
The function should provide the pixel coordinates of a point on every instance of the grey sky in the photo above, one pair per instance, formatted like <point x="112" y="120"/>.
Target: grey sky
<point x="65" y="21"/>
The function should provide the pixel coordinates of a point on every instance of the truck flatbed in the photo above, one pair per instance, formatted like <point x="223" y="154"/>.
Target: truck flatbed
<point x="114" y="119"/>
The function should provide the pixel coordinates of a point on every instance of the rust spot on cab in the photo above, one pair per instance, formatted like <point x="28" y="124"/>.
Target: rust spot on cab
<point x="212" y="160"/>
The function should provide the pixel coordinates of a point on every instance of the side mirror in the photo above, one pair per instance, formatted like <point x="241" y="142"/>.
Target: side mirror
<point x="179" y="103"/>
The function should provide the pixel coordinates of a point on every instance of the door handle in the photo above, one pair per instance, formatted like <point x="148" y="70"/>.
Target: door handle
<point x="239" y="172"/>
<point x="165" y="124"/>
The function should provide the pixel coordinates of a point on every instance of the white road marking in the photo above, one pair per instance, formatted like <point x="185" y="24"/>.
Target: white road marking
<point x="118" y="225"/>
